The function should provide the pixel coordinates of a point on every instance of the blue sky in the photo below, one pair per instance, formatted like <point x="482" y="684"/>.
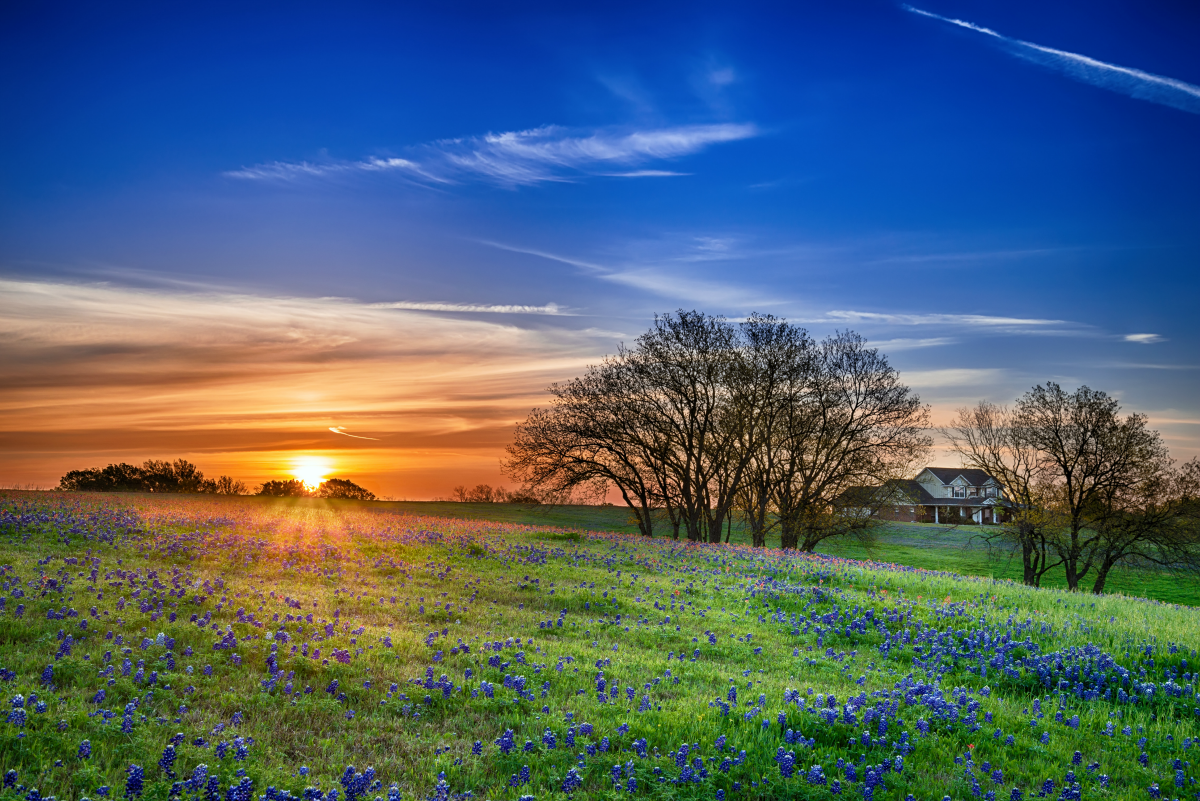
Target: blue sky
<point x="997" y="194"/>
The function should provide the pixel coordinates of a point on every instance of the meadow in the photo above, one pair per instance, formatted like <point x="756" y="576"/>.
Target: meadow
<point x="235" y="648"/>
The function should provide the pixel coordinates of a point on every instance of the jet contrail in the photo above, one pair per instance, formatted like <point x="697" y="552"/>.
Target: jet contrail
<point x="1125" y="80"/>
<point x="338" y="430"/>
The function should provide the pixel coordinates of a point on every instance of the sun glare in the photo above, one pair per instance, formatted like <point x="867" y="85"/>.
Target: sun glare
<point x="312" y="470"/>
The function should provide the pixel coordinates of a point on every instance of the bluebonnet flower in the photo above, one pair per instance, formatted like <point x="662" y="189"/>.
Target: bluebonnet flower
<point x="133" y="782"/>
<point x="167" y="761"/>
<point x="85" y="749"/>
<point x="571" y="782"/>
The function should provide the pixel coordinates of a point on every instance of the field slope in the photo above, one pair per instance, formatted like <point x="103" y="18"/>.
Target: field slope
<point x="193" y="647"/>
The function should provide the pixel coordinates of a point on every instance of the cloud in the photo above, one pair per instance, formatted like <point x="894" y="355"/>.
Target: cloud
<point x="647" y="174"/>
<point x="239" y="383"/>
<point x="953" y="377"/>
<point x="550" y="308"/>
<point x="338" y="430"/>
<point x="890" y="345"/>
<point x="1123" y="80"/>
<point x="1144" y="339"/>
<point x="968" y="320"/>
<point x="666" y="283"/>
<point x="518" y="158"/>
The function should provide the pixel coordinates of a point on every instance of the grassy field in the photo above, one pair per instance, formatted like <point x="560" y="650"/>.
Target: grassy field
<point x="191" y="647"/>
<point x="915" y="544"/>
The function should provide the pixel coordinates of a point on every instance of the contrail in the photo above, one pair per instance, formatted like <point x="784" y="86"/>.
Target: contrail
<point x="1125" y="80"/>
<point x="338" y="430"/>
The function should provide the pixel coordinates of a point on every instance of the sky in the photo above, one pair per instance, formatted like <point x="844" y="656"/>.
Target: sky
<point x="360" y="240"/>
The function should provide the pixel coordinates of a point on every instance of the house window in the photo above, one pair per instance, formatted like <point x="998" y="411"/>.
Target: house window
<point x="971" y="492"/>
<point x="991" y="492"/>
<point x="959" y="492"/>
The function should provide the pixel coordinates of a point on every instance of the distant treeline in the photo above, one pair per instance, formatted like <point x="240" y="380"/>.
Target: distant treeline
<point x="153" y="476"/>
<point x="485" y="493"/>
<point x="184" y="477"/>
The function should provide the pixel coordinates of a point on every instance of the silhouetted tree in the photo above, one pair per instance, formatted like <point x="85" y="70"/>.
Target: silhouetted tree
<point x="291" y="488"/>
<point x="223" y="485"/>
<point x="701" y="416"/>
<point x="343" y="488"/>
<point x="153" y="476"/>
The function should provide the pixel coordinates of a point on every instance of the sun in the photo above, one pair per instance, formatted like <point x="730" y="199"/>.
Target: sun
<point x="312" y="470"/>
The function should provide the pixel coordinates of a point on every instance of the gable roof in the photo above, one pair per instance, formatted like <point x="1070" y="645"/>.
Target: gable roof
<point x="886" y="495"/>
<point x="946" y="475"/>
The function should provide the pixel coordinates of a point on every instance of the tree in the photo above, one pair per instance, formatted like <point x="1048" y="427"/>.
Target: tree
<point x="591" y="438"/>
<point x="292" y="488"/>
<point x="1093" y="462"/>
<point x="153" y="476"/>
<point x="343" y="488"/>
<point x="990" y="438"/>
<point x="854" y="424"/>
<point x="701" y="417"/>
<point x="686" y="382"/>
<point x="224" y="485"/>
<point x="1153" y="522"/>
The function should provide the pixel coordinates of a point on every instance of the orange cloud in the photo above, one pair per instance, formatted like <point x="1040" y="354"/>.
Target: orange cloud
<point x="242" y="384"/>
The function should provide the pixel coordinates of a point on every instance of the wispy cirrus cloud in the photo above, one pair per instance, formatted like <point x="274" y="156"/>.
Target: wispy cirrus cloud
<point x="968" y="320"/>
<point x="478" y="308"/>
<point x="519" y="158"/>
<point x="1123" y="80"/>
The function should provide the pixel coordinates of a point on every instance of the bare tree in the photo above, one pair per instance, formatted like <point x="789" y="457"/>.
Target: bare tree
<point x="683" y="372"/>
<point x="855" y="425"/>
<point x="590" y="439"/>
<point x="782" y="355"/>
<point x="701" y="417"/>
<point x="987" y="437"/>
<point x="1090" y="458"/>
<point x="1152" y="523"/>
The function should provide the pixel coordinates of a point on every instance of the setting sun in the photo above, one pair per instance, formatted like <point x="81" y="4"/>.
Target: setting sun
<point x="312" y="470"/>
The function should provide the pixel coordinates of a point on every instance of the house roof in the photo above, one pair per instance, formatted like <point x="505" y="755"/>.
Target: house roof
<point x="946" y="475"/>
<point x="915" y="493"/>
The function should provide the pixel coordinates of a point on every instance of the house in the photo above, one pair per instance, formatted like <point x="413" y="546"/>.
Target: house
<point x="940" y="495"/>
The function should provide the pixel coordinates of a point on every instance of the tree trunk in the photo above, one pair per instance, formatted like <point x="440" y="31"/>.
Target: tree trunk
<point x="789" y="534"/>
<point x="1101" y="576"/>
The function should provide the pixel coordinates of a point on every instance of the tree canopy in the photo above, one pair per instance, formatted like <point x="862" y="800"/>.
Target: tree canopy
<point x="152" y="476"/>
<point x="702" y="418"/>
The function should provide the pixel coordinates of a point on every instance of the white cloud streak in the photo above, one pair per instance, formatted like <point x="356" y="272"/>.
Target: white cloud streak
<point x="521" y="158"/>
<point x="1123" y="80"/>
<point x="1144" y="339"/>
<point x="954" y="377"/>
<point x="968" y="320"/>
<point x="477" y="308"/>
<point x="912" y="344"/>
<point x="338" y="430"/>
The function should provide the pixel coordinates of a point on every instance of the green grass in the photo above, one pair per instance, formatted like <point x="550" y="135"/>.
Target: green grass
<point x="933" y="547"/>
<point x="344" y="562"/>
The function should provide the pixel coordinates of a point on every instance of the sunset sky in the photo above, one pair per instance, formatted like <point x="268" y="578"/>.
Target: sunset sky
<point x="226" y="233"/>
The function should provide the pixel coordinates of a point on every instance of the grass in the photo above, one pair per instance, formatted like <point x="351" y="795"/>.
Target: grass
<point x="398" y="591"/>
<point x="929" y="546"/>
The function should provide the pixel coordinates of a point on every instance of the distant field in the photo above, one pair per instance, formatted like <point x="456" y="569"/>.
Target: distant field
<point x="915" y="544"/>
